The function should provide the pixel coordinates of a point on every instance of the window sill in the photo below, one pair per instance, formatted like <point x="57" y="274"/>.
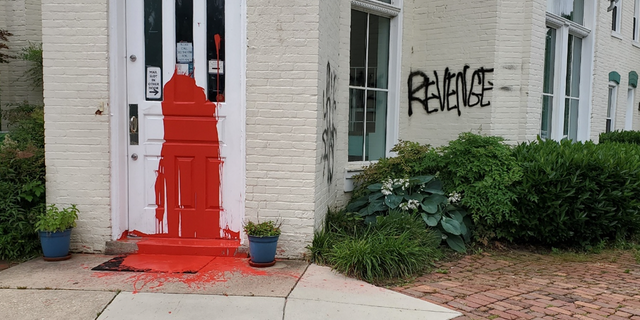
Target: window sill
<point x="636" y="44"/>
<point x="616" y="34"/>
<point x="352" y="169"/>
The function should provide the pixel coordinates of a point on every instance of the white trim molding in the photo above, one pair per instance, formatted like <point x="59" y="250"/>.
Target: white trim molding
<point x="376" y="7"/>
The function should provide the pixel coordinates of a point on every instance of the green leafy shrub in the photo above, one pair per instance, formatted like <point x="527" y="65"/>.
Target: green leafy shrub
<point x="413" y="159"/>
<point x="56" y="220"/>
<point x="33" y="54"/>
<point x="483" y="170"/>
<point x="620" y="136"/>
<point x="262" y="229"/>
<point x="576" y="194"/>
<point x="396" y="246"/>
<point x="420" y="195"/>
<point x="22" y="183"/>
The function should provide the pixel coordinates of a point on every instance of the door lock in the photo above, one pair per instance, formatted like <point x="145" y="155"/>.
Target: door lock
<point x="133" y="58"/>
<point x="134" y="156"/>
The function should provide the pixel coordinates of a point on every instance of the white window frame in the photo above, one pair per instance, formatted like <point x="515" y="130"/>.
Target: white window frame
<point x="628" y="120"/>
<point x="564" y="27"/>
<point x="615" y="29"/>
<point x="612" y="101"/>
<point x="392" y="11"/>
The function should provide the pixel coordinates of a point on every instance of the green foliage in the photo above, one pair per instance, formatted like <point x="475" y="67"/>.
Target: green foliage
<point x="413" y="159"/>
<point x="576" y="194"/>
<point x="33" y="54"/>
<point x="262" y="229"/>
<point x="422" y="196"/>
<point x="620" y="136"/>
<point x="395" y="246"/>
<point x="56" y="220"/>
<point x="483" y="170"/>
<point x="22" y="183"/>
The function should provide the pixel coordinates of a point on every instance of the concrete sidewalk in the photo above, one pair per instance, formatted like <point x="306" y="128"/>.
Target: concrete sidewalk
<point x="289" y="290"/>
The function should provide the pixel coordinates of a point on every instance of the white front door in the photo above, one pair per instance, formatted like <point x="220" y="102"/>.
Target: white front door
<point x="186" y="139"/>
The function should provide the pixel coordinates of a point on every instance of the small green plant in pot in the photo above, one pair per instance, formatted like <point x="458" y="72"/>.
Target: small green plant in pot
<point x="263" y="241"/>
<point x="54" y="227"/>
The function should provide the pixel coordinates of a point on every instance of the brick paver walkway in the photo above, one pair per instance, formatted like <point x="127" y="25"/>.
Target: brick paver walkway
<point x="524" y="285"/>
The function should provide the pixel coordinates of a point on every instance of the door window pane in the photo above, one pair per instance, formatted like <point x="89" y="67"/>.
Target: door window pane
<point x="215" y="50"/>
<point x="153" y="49"/>
<point x="184" y="37"/>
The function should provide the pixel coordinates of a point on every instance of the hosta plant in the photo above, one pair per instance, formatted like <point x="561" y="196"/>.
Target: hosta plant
<point x="421" y="195"/>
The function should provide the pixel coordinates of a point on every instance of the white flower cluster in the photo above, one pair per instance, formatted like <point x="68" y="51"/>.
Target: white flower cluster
<point x="389" y="184"/>
<point x="454" y="197"/>
<point x="411" y="205"/>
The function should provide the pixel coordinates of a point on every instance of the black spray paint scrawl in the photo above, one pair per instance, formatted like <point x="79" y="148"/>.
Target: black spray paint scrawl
<point x="466" y="94"/>
<point x="329" y="132"/>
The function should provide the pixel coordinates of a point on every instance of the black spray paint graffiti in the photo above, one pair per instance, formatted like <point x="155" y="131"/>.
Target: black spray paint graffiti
<point x="471" y="94"/>
<point x="329" y="134"/>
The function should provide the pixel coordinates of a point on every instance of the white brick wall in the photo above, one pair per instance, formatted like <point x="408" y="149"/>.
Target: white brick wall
<point x="440" y="34"/>
<point x="23" y="19"/>
<point x="282" y="117"/>
<point x="77" y="141"/>
<point x="614" y="54"/>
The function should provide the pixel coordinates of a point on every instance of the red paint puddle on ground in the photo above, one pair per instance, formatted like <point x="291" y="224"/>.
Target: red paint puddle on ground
<point x="165" y="263"/>
<point x="219" y="269"/>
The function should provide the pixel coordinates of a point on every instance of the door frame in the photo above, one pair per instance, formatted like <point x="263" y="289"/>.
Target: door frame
<point x="117" y="111"/>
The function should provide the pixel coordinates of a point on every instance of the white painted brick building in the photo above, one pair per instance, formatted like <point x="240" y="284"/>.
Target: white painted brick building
<point x="311" y="91"/>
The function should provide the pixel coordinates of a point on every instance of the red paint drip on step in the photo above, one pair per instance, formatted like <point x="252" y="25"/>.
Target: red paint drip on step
<point x="187" y="187"/>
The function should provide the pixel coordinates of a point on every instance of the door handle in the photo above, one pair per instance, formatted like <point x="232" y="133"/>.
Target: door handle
<point x="133" y="124"/>
<point x="134" y="156"/>
<point x="133" y="58"/>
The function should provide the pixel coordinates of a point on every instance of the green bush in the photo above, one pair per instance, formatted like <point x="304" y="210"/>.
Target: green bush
<point x="620" y="136"/>
<point x="575" y="194"/>
<point x="421" y="195"/>
<point x="22" y="184"/>
<point x="396" y="246"/>
<point x="412" y="159"/>
<point x="483" y="170"/>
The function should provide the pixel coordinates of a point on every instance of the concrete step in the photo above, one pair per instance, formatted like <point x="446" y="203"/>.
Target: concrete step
<point x="178" y="246"/>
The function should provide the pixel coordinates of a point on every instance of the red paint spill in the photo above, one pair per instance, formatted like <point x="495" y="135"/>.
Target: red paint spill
<point x="165" y="263"/>
<point x="219" y="96"/>
<point x="218" y="270"/>
<point x="187" y="187"/>
<point x="228" y="234"/>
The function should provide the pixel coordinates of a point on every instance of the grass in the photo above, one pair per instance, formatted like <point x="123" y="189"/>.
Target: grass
<point x="395" y="248"/>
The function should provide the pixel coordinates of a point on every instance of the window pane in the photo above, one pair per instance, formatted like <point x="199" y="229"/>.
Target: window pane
<point x="153" y="48"/>
<point x="570" y="129"/>
<point x="358" y="48"/>
<point x="184" y="37"/>
<point x="378" y="52"/>
<point x="356" y="124"/>
<point x="215" y="50"/>
<point x="610" y="102"/>
<point x="549" y="60"/>
<point x="547" y="111"/>
<point x="376" y="125"/>
<point x="574" y="58"/>
<point x="569" y="9"/>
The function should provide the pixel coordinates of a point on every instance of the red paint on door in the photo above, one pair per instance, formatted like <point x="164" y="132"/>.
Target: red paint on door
<point x="187" y="186"/>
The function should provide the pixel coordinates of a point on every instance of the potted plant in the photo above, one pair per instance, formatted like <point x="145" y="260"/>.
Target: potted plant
<point x="54" y="227"/>
<point x="263" y="240"/>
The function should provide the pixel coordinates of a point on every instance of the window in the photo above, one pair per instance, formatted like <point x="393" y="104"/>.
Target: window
<point x="567" y="56"/>
<point x="611" y="107"/>
<point x="616" y="11"/>
<point x="372" y="85"/>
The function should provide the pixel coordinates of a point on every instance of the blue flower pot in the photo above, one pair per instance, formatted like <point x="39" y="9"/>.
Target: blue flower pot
<point x="55" y="244"/>
<point x="263" y="249"/>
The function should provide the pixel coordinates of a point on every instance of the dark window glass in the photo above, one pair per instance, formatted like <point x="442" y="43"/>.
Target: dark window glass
<point x="215" y="50"/>
<point x="153" y="48"/>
